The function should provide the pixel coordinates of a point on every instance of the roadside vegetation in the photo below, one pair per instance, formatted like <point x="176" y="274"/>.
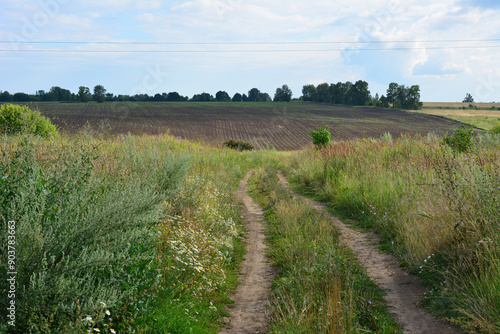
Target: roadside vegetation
<point x="142" y="232"/>
<point x="436" y="203"/>
<point x="320" y="286"/>
<point x="119" y="235"/>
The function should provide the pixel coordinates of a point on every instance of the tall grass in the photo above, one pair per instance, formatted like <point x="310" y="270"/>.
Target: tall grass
<point x="320" y="288"/>
<point x="438" y="209"/>
<point x="115" y="222"/>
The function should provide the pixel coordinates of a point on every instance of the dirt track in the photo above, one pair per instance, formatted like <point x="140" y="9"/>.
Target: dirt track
<point x="251" y="298"/>
<point x="402" y="290"/>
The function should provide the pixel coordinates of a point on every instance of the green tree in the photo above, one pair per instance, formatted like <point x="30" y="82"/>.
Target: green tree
<point x="323" y="93"/>
<point x="237" y="98"/>
<point x="84" y="94"/>
<point x="253" y="95"/>
<point x="360" y="93"/>
<point x="468" y="98"/>
<point x="222" y="96"/>
<point x="99" y="93"/>
<point x="309" y="93"/>
<point x="392" y="93"/>
<point x="283" y="94"/>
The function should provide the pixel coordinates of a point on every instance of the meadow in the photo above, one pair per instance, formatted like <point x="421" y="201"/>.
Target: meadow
<point x="141" y="232"/>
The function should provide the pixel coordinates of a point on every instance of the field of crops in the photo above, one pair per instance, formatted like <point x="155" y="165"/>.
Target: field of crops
<point x="283" y="126"/>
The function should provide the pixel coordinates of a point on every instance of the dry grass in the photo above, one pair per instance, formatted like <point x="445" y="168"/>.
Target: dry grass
<point x="458" y="105"/>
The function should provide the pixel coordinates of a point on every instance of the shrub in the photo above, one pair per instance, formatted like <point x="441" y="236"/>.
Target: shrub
<point x="22" y="119"/>
<point x="496" y="129"/>
<point x="461" y="139"/>
<point x="81" y="239"/>
<point x="321" y="137"/>
<point x="239" y="145"/>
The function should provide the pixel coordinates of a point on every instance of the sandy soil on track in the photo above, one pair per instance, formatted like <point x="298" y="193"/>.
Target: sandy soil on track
<point x="249" y="314"/>
<point x="403" y="290"/>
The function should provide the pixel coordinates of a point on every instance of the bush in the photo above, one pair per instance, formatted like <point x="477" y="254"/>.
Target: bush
<point x="81" y="239"/>
<point x="321" y="137"/>
<point x="461" y="139"/>
<point x="496" y="129"/>
<point x="239" y="145"/>
<point x="21" y="119"/>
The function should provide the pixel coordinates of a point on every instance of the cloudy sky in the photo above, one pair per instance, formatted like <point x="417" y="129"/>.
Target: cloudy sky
<point x="448" y="48"/>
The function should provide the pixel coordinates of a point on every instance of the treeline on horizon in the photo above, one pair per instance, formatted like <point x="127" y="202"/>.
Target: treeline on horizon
<point x="347" y="93"/>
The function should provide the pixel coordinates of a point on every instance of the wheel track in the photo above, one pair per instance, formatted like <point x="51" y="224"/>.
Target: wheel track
<point x="249" y="314"/>
<point x="403" y="291"/>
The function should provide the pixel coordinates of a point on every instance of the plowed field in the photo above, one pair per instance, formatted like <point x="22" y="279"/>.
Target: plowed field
<point x="283" y="126"/>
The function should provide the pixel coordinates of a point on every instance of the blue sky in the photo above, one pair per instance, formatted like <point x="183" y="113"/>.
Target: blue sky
<point x="328" y="41"/>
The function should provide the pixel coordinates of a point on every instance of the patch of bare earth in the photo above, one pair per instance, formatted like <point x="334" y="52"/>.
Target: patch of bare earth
<point x="249" y="314"/>
<point x="403" y="291"/>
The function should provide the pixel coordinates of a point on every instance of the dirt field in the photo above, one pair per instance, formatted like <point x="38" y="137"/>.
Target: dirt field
<point x="283" y="126"/>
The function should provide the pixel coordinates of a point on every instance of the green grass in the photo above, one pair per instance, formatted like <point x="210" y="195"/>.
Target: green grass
<point x="481" y="122"/>
<point x="99" y="221"/>
<point x="320" y="287"/>
<point x="437" y="209"/>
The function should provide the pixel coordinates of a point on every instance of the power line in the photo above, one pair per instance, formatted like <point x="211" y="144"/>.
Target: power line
<point x="249" y="43"/>
<point x="253" y="51"/>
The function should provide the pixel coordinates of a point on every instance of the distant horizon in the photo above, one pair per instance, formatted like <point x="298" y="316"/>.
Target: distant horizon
<point x="448" y="48"/>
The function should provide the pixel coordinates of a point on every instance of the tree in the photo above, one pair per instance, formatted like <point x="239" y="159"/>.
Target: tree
<point x="392" y="93"/>
<point x="5" y="96"/>
<point x="21" y="97"/>
<point x="360" y="93"/>
<point x="323" y="93"/>
<point x="99" y="94"/>
<point x="468" y="98"/>
<point x="237" y="98"/>
<point x="283" y="94"/>
<point x="309" y="93"/>
<point x="203" y="97"/>
<point x="58" y="94"/>
<point x="84" y="94"/>
<point x="222" y="96"/>
<point x="253" y="95"/>
<point x="174" y="96"/>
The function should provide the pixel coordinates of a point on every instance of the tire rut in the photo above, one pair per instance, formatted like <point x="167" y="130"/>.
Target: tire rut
<point x="249" y="314"/>
<point x="403" y="291"/>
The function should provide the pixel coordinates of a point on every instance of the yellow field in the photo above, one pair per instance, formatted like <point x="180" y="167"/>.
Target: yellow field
<point x="454" y="109"/>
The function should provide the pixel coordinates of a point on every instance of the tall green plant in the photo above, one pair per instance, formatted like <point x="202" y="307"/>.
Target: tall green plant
<point x="22" y="119"/>
<point x="321" y="137"/>
<point x="81" y="240"/>
<point x="461" y="139"/>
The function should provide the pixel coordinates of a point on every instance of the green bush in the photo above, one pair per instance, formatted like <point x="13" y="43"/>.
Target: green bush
<point x="21" y="119"/>
<point x="496" y="129"/>
<point x="239" y="145"/>
<point x="81" y="239"/>
<point x="461" y="140"/>
<point x="321" y="137"/>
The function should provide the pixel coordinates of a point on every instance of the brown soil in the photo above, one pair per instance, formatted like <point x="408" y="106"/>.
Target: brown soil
<point x="249" y="314"/>
<point x="403" y="291"/>
<point x="284" y="126"/>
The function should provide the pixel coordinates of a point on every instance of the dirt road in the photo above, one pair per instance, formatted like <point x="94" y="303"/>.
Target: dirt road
<point x="251" y="298"/>
<point x="402" y="290"/>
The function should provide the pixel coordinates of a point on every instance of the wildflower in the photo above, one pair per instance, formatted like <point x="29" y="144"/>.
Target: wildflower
<point x="107" y="312"/>
<point x="112" y="330"/>
<point x="97" y="330"/>
<point x="103" y="304"/>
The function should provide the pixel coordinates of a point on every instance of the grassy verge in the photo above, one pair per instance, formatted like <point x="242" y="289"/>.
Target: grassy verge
<point x="437" y="209"/>
<point x="320" y="287"/>
<point x="123" y="234"/>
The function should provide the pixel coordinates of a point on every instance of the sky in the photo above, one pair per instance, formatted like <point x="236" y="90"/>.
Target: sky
<point x="448" y="48"/>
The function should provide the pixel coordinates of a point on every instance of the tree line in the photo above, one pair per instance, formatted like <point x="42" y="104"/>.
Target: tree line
<point x="348" y="93"/>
